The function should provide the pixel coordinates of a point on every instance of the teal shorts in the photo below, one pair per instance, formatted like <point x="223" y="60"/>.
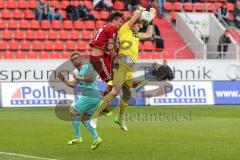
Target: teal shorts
<point x="86" y="105"/>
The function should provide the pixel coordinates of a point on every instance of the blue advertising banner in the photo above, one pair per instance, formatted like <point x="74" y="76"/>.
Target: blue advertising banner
<point x="137" y="100"/>
<point x="226" y="92"/>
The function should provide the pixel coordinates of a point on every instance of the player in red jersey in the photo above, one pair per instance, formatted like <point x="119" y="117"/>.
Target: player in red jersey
<point x="104" y="48"/>
<point x="104" y="51"/>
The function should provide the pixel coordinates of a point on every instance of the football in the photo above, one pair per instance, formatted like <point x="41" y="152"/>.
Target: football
<point x="146" y="16"/>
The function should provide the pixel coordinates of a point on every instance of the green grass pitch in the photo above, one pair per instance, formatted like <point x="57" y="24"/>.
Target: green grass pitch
<point x="211" y="133"/>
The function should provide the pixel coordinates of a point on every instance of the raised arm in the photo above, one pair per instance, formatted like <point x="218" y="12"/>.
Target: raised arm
<point x="136" y="16"/>
<point x="149" y="31"/>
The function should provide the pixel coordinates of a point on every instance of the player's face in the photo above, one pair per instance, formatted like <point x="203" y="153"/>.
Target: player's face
<point x="118" y="22"/>
<point x="137" y="27"/>
<point x="76" y="61"/>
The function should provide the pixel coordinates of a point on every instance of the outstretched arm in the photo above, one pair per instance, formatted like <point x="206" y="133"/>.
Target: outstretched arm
<point x="149" y="31"/>
<point x="136" y="16"/>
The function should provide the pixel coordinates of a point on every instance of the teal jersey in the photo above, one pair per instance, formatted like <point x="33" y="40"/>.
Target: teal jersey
<point x="89" y="89"/>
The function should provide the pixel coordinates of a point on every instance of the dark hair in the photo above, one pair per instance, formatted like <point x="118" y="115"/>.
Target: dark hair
<point x="114" y="15"/>
<point x="75" y="54"/>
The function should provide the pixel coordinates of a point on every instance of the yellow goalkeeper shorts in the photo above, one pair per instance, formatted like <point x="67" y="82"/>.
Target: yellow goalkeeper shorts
<point x="123" y="76"/>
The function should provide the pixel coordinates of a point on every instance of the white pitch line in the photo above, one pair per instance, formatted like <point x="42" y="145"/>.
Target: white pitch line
<point x="26" y="156"/>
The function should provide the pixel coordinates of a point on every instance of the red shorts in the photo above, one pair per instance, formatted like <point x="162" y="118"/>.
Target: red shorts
<point x="103" y="66"/>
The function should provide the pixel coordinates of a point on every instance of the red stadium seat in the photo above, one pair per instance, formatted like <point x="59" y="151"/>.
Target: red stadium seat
<point x="43" y="55"/>
<point x="166" y="55"/>
<point x="230" y="7"/>
<point x="70" y="46"/>
<point x="6" y="35"/>
<point x="32" y="4"/>
<point x="41" y="35"/>
<point x="126" y="14"/>
<point x="31" y="55"/>
<point x="82" y="46"/>
<point x="90" y="25"/>
<point x="79" y="25"/>
<point x="55" y="4"/>
<point x="37" y="45"/>
<point x="18" y="14"/>
<point x="75" y="3"/>
<point x="48" y="46"/>
<point x="45" y="24"/>
<point x="144" y="55"/>
<point x="66" y="55"/>
<point x="156" y="55"/>
<point x="22" y="4"/>
<point x="8" y="55"/>
<point x="67" y="24"/>
<point x="54" y="55"/>
<point x="58" y="46"/>
<point x="96" y="14"/>
<point x="12" y="24"/>
<point x="74" y="35"/>
<point x="52" y="35"/>
<point x="86" y="35"/>
<point x="64" y="4"/>
<point x="147" y="45"/>
<point x="2" y="4"/>
<point x="173" y="16"/>
<point x="6" y="14"/>
<point x="34" y="24"/>
<point x="13" y="45"/>
<point x="88" y="4"/>
<point x="119" y="5"/>
<point x="25" y="45"/>
<point x="23" y="25"/>
<point x="199" y="7"/>
<point x="63" y="13"/>
<point x="63" y="35"/>
<point x="100" y="24"/>
<point x="28" y="14"/>
<point x="218" y="5"/>
<point x="168" y="6"/>
<point x="57" y="25"/>
<point x="20" y="55"/>
<point x="3" y="45"/>
<point x="11" y="4"/>
<point x="2" y="24"/>
<point x="104" y="15"/>
<point x="18" y="35"/>
<point x="177" y="6"/>
<point x="188" y="6"/>
<point x="30" y="35"/>
<point x="209" y="7"/>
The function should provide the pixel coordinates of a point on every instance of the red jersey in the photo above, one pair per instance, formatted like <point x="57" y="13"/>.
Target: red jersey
<point x="103" y="34"/>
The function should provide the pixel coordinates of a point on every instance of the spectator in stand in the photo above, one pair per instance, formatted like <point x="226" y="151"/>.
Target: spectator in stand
<point x="52" y="14"/>
<point x="132" y="5"/>
<point x="161" y="6"/>
<point x="41" y="12"/>
<point x="162" y="72"/>
<point x="223" y="44"/>
<point x="103" y="4"/>
<point x="223" y="14"/>
<point x="84" y="13"/>
<point x="237" y="14"/>
<point x="156" y="37"/>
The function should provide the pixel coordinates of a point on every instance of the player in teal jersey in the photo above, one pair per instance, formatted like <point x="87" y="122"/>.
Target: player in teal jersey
<point x="87" y="103"/>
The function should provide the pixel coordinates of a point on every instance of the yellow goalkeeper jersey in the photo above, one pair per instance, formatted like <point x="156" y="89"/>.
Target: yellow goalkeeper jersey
<point x="128" y="43"/>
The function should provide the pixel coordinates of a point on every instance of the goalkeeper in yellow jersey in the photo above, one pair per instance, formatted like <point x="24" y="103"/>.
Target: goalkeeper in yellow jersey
<point x="129" y="37"/>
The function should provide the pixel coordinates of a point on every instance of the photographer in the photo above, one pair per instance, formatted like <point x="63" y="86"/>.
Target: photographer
<point x="162" y="72"/>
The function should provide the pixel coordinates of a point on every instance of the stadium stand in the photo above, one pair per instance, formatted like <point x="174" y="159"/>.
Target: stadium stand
<point x="22" y="36"/>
